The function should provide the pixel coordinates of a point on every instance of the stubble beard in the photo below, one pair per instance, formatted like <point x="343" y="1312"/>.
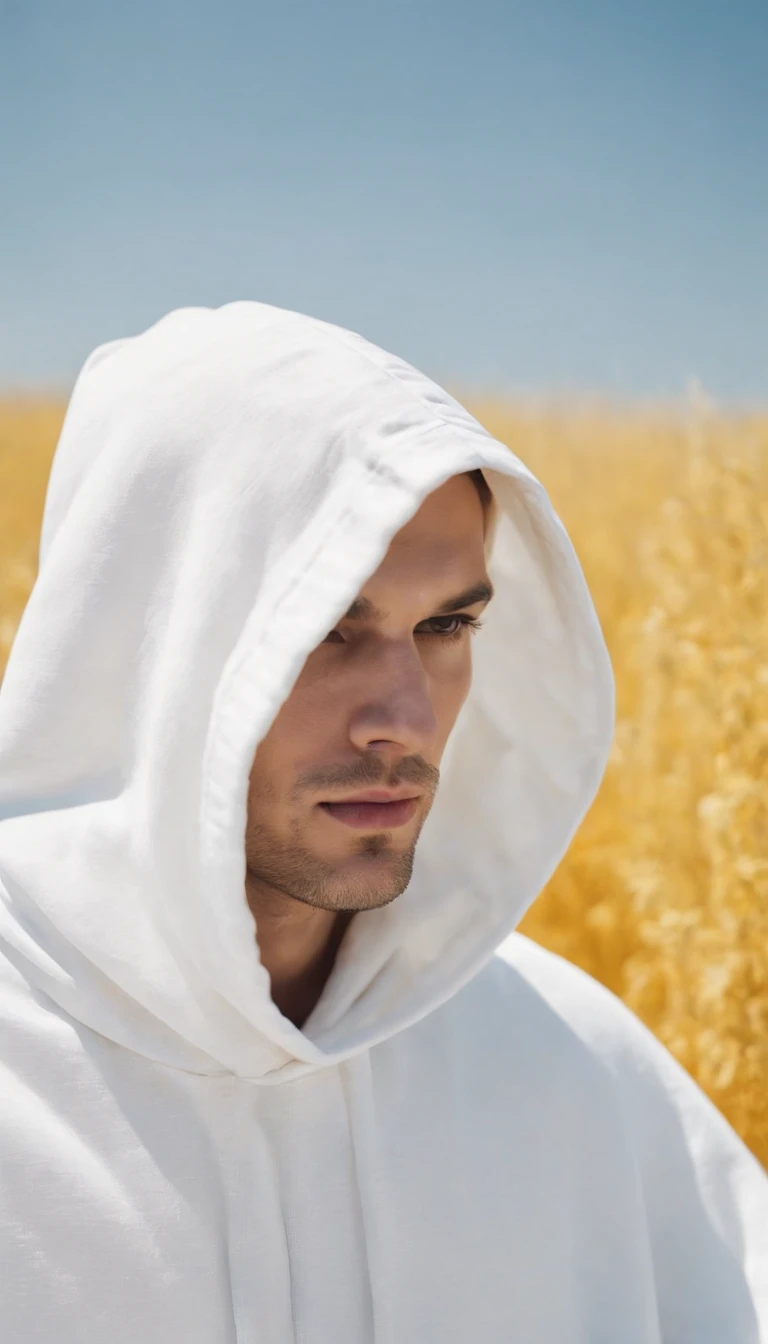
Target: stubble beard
<point x="382" y="873"/>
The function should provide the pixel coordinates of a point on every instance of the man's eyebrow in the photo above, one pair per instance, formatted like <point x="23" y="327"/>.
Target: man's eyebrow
<point x="363" y="609"/>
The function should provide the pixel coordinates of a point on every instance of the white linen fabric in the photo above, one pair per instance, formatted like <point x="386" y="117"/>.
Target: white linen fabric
<point x="469" y="1139"/>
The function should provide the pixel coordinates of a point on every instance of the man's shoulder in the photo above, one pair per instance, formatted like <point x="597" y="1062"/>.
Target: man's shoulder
<point x="533" y="1012"/>
<point x="593" y="1013"/>
<point x="532" y="1019"/>
<point x="585" y="1013"/>
<point x="589" y="1021"/>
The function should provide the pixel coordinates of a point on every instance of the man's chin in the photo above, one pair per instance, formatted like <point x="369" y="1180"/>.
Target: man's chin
<point x="364" y="882"/>
<point x="366" y="876"/>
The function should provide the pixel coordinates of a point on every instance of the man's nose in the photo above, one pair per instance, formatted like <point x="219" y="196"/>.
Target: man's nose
<point x="394" y="705"/>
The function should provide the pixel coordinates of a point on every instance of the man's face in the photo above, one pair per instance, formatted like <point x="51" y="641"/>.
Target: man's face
<point x="372" y="710"/>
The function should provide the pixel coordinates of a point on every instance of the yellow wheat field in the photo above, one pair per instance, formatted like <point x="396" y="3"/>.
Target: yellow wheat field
<point x="664" y="892"/>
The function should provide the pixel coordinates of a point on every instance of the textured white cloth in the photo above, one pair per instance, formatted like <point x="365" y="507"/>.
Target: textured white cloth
<point x="470" y="1139"/>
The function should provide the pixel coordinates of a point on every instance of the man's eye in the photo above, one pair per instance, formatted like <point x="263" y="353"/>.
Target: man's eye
<point x="456" y="625"/>
<point x="443" y="627"/>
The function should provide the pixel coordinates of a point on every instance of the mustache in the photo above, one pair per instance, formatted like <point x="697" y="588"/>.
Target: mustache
<point x="372" y="771"/>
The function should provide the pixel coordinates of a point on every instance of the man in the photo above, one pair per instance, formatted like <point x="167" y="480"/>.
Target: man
<point x="276" y="1065"/>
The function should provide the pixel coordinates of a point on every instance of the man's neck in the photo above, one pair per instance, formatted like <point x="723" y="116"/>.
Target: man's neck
<point x="297" y="944"/>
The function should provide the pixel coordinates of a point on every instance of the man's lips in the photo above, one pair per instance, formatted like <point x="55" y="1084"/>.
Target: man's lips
<point x="375" y="816"/>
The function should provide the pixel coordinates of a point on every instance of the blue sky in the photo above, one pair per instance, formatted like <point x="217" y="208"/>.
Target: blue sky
<point x="531" y="196"/>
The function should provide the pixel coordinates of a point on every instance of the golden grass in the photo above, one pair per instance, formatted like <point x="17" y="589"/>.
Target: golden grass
<point x="663" y="894"/>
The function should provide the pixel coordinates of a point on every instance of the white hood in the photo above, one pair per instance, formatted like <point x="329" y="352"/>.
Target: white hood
<point x="224" y="485"/>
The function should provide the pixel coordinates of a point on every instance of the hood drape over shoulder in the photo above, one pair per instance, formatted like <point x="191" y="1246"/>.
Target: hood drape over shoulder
<point x="468" y="1139"/>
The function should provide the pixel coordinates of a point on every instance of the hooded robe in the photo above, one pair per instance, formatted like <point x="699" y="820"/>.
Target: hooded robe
<point x="469" y="1139"/>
